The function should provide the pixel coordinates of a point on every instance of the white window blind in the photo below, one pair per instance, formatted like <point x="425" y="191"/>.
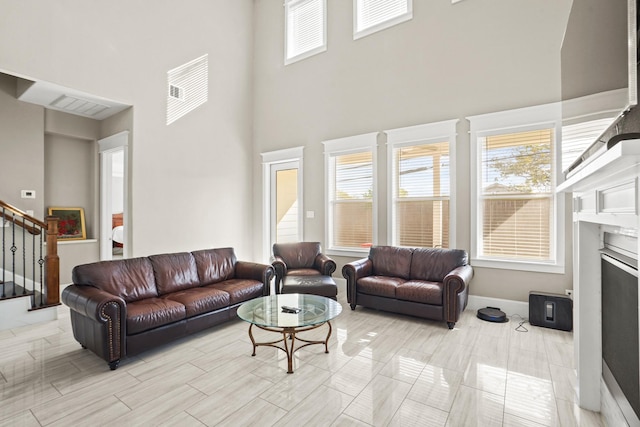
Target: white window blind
<point x="421" y="195"/>
<point x="305" y="29"/>
<point x="516" y="195"/>
<point x="350" y="173"/>
<point x="352" y="200"/>
<point x="374" y="15"/>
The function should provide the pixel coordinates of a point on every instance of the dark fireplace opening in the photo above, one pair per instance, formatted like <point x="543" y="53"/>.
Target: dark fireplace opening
<point x="620" y="332"/>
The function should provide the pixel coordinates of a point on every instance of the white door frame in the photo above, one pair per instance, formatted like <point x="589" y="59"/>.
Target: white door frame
<point x="108" y="146"/>
<point x="290" y="158"/>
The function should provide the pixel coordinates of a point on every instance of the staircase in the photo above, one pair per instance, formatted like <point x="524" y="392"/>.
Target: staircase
<point x="29" y="268"/>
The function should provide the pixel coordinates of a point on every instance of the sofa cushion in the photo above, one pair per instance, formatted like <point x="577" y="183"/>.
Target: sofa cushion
<point x="151" y="313"/>
<point x="215" y="265"/>
<point x="174" y="272"/>
<point x="433" y="264"/>
<point x="382" y="286"/>
<point x="303" y="272"/>
<point x="130" y="279"/>
<point x="200" y="300"/>
<point x="240" y="290"/>
<point x="391" y="261"/>
<point x="420" y="291"/>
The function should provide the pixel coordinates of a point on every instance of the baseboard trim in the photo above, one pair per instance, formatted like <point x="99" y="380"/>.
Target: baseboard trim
<point x="509" y="307"/>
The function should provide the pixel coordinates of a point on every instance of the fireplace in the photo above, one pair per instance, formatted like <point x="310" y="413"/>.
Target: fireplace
<point x="606" y="221"/>
<point x="620" y="333"/>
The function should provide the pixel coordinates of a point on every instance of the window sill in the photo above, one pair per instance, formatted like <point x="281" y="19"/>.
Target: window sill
<point x="535" y="267"/>
<point x="351" y="253"/>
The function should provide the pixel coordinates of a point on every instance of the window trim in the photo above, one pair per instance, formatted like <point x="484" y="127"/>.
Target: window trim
<point x="310" y="52"/>
<point x="415" y="135"/>
<point x="518" y="120"/>
<point x="348" y="145"/>
<point x="382" y="25"/>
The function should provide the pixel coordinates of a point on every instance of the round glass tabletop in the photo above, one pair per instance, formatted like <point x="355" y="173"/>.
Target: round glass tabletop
<point x="299" y="310"/>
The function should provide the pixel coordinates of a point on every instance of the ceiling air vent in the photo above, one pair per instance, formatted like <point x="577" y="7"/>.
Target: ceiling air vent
<point x="188" y="88"/>
<point x="77" y="105"/>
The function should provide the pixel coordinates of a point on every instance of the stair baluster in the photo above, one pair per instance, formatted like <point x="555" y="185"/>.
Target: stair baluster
<point x="41" y="283"/>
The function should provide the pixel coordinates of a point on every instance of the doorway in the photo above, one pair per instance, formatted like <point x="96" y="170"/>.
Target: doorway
<point x="114" y="242"/>
<point x="283" y="197"/>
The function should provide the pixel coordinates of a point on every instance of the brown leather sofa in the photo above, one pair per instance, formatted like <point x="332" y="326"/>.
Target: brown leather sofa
<point x="426" y="282"/>
<point x="124" y="307"/>
<point x="300" y="259"/>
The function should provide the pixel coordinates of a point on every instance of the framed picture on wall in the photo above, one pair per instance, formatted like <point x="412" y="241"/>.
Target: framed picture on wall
<point x="71" y="225"/>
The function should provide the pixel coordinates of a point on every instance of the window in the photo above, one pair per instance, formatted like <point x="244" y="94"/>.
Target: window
<point x="370" y="16"/>
<point x="516" y="216"/>
<point x="306" y="29"/>
<point x="350" y="170"/>
<point x="421" y="158"/>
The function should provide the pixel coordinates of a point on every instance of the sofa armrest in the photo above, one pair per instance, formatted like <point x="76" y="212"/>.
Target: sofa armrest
<point x="352" y="272"/>
<point x="280" y="270"/>
<point x="98" y="320"/>
<point x="325" y="265"/>
<point x="456" y="292"/>
<point x="254" y="271"/>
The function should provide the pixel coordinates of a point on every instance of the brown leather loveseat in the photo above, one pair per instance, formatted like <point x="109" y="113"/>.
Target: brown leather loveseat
<point x="431" y="283"/>
<point x="124" y="307"/>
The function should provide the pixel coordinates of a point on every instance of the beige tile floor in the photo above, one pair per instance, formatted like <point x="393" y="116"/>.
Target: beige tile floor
<point x="382" y="370"/>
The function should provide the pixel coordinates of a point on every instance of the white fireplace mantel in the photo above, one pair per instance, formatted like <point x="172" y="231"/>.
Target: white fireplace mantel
<point x="616" y="164"/>
<point x="605" y="197"/>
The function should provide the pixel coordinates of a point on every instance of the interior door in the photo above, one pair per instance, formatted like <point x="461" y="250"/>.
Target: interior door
<point x="113" y="197"/>
<point x="286" y="208"/>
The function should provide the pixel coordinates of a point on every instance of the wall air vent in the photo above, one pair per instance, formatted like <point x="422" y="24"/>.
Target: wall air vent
<point x="176" y="92"/>
<point x="77" y="105"/>
<point x="188" y="88"/>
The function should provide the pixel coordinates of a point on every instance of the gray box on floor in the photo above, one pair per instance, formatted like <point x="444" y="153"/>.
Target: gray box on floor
<point x="553" y="311"/>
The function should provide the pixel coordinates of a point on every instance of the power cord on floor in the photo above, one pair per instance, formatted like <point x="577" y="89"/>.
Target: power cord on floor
<point x="522" y="321"/>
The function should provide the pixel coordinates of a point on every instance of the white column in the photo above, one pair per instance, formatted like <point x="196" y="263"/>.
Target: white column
<point x="587" y="314"/>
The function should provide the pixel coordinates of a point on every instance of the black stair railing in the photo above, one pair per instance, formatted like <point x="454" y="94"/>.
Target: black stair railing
<point x="25" y="270"/>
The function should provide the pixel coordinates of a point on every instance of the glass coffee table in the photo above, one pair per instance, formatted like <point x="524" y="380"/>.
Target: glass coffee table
<point x="289" y="314"/>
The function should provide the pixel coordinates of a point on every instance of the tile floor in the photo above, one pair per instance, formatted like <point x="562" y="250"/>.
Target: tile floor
<point x="382" y="370"/>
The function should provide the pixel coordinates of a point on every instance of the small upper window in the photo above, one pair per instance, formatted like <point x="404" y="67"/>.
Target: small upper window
<point x="370" y="16"/>
<point x="306" y="29"/>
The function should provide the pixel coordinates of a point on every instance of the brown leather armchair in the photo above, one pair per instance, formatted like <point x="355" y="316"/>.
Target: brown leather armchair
<point x="300" y="259"/>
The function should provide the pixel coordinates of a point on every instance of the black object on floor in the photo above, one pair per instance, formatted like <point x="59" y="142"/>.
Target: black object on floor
<point x="492" y="314"/>
<point x="553" y="311"/>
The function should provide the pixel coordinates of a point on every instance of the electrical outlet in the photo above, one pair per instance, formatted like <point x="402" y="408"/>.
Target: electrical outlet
<point x="568" y="292"/>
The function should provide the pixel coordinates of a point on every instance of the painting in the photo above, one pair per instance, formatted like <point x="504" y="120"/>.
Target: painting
<point x="71" y="225"/>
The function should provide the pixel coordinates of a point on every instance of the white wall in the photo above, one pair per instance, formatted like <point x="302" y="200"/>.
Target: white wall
<point x="190" y="181"/>
<point x="449" y="61"/>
